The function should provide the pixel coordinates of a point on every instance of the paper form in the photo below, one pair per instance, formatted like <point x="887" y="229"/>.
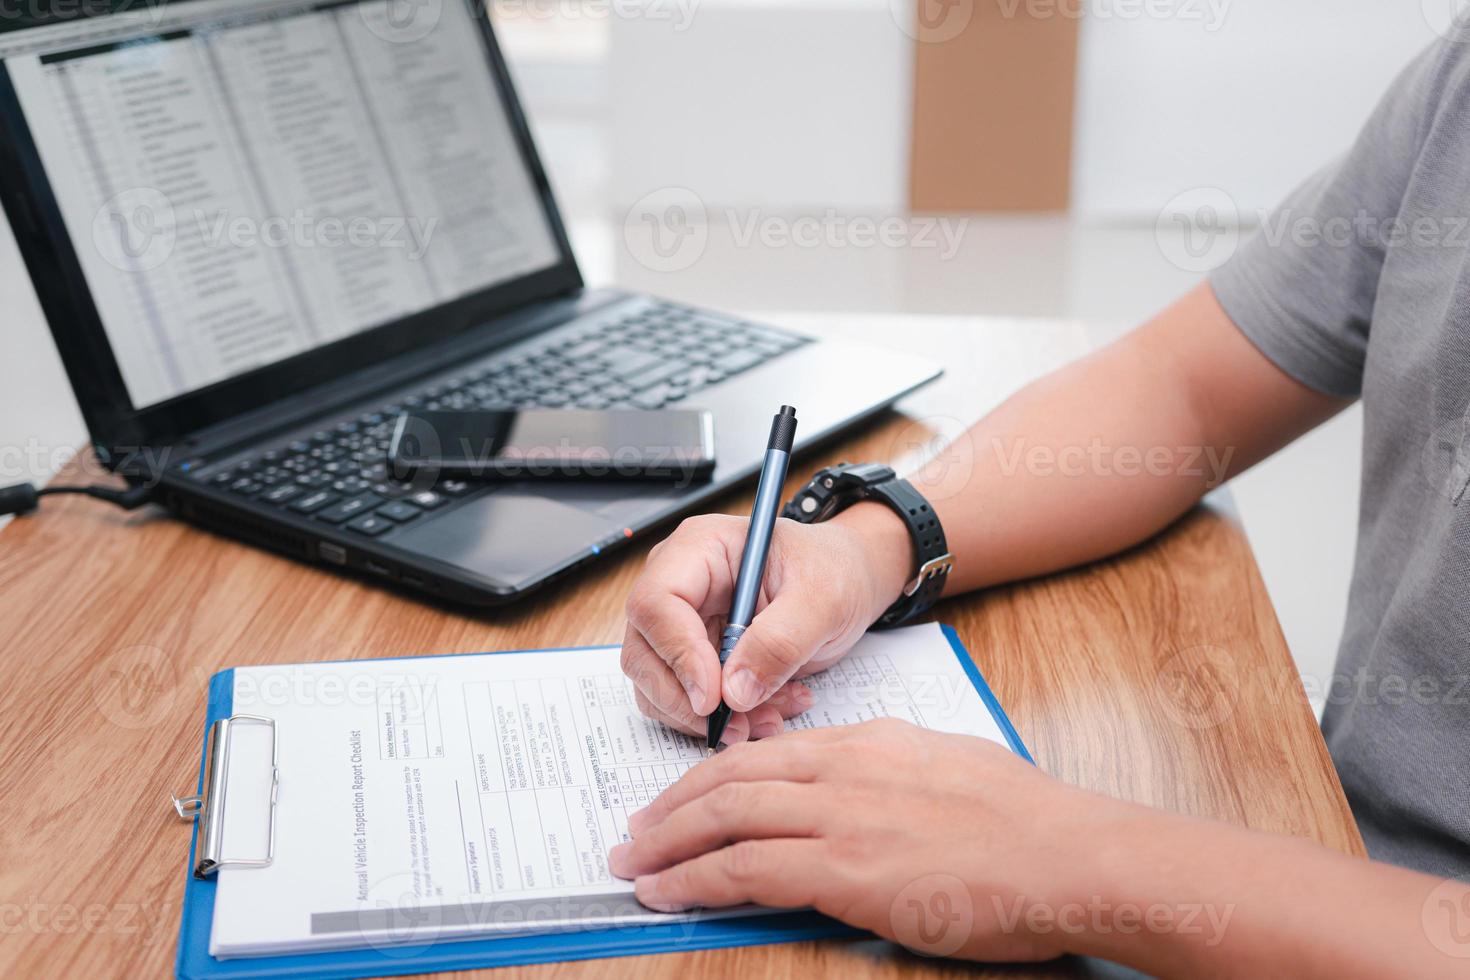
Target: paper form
<point x="457" y="797"/>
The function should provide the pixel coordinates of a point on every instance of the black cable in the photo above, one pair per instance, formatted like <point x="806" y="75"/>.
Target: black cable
<point x="24" y="497"/>
<point x="45" y="490"/>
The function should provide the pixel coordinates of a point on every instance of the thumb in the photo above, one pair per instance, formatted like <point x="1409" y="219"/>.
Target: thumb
<point x="780" y="640"/>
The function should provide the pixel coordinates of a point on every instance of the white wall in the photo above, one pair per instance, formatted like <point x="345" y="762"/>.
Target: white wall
<point x="1300" y="511"/>
<point x="1250" y="99"/>
<point x="790" y="104"/>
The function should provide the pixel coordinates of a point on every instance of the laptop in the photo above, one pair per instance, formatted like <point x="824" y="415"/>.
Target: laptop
<point x="261" y="229"/>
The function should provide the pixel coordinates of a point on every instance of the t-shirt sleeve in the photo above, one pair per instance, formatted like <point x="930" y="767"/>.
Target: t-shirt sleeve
<point x="1302" y="288"/>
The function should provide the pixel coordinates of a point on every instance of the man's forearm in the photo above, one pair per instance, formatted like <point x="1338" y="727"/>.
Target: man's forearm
<point x="1177" y="896"/>
<point x="1078" y="465"/>
<point x="1110" y="450"/>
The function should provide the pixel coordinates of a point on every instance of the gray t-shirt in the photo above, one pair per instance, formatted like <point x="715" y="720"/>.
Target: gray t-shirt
<point x="1360" y="285"/>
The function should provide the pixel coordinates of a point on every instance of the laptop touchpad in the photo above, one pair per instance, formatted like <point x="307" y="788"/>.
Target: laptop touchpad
<point x="508" y="536"/>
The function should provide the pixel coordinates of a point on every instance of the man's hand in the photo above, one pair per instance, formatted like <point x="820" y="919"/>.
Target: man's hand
<point x="928" y="839"/>
<point x="824" y="586"/>
<point x="953" y="846"/>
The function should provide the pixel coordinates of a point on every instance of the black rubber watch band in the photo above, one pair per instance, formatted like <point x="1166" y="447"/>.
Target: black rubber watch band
<point x="835" y="489"/>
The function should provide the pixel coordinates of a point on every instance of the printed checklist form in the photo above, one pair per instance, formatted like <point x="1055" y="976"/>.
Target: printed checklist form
<point x="438" y="798"/>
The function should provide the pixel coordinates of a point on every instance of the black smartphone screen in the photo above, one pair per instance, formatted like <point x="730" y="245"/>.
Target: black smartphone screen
<point x="554" y="444"/>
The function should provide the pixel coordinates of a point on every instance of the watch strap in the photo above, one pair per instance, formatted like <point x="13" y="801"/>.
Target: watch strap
<point x="835" y="489"/>
<point x="931" y="551"/>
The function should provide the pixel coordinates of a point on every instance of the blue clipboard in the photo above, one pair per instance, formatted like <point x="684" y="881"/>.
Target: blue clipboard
<point x="195" y="963"/>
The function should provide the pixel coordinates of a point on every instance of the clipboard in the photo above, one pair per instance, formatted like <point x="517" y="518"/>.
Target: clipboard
<point x="208" y="852"/>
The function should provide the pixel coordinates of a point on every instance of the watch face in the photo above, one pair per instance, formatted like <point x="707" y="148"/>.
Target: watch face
<point x="836" y="488"/>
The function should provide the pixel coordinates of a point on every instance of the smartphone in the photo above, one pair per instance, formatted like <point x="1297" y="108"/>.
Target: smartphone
<point x="556" y="444"/>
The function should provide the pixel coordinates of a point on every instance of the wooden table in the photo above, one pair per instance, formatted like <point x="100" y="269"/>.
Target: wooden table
<point x="1160" y="676"/>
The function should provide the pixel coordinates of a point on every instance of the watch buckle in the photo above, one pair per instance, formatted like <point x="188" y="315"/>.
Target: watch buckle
<point x="932" y="568"/>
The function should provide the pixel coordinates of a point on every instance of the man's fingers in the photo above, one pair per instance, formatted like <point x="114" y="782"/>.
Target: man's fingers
<point x="736" y="731"/>
<point x="781" y="873"/>
<point x="825" y="658"/>
<point x="685" y="580"/>
<point x="781" y="639"/>
<point x="669" y="621"/>
<point x="655" y="678"/>
<point x="732" y="812"/>
<point x="765" y="722"/>
<point x="798" y="757"/>
<point x="686" y="722"/>
<point x="792" y="699"/>
<point x="769" y="719"/>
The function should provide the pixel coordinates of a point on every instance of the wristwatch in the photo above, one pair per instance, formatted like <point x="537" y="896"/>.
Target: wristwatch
<point x="837" y="488"/>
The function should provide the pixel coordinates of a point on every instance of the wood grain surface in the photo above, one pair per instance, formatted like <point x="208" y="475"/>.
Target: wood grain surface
<point x="1160" y="676"/>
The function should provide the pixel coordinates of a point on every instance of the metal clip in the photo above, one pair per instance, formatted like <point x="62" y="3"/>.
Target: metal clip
<point x="209" y="807"/>
<point x="188" y="807"/>
<point x="930" y="569"/>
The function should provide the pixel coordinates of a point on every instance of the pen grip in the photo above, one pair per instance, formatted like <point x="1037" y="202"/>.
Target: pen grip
<point x="728" y="639"/>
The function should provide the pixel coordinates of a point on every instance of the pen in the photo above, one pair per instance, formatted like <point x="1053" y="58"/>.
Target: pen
<point x="757" y="547"/>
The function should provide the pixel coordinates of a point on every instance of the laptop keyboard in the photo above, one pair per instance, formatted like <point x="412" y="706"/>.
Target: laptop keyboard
<point x="657" y="356"/>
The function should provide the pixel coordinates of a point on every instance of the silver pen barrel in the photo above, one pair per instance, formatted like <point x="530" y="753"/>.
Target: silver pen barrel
<point x="762" y="523"/>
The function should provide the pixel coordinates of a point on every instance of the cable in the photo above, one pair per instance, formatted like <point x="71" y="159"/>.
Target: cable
<point x="24" y="497"/>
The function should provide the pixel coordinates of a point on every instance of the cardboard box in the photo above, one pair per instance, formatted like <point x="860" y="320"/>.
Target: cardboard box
<point x="994" y="96"/>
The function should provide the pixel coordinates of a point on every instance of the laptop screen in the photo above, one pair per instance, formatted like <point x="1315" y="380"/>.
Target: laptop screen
<point x="244" y="181"/>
